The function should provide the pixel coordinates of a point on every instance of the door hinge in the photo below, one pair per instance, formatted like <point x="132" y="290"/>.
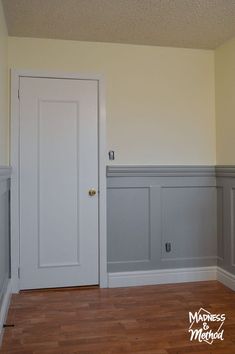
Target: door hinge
<point x="18" y="94"/>
<point x="19" y="273"/>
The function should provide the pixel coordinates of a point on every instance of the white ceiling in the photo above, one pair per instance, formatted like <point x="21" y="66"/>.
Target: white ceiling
<point x="177" y="23"/>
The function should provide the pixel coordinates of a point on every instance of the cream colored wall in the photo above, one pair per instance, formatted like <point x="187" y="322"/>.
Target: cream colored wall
<point x="225" y="102"/>
<point x="160" y="101"/>
<point x="3" y="91"/>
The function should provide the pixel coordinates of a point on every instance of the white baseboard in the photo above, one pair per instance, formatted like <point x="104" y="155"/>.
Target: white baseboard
<point x="162" y="276"/>
<point x="226" y="278"/>
<point x="4" y="308"/>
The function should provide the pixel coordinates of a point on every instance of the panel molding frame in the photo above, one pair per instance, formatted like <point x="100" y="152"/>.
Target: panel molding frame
<point x="139" y="261"/>
<point x="221" y="259"/>
<point x="154" y="246"/>
<point x="15" y="129"/>
<point x="169" y="259"/>
<point x="158" y="184"/>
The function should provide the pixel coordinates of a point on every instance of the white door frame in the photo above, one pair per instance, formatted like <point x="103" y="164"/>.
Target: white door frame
<point x="15" y="191"/>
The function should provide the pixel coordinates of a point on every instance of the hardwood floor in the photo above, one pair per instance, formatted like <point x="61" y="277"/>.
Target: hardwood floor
<point x="143" y="320"/>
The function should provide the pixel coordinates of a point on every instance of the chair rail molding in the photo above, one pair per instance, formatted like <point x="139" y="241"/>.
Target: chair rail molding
<point x="225" y="171"/>
<point x="5" y="172"/>
<point x="160" y="171"/>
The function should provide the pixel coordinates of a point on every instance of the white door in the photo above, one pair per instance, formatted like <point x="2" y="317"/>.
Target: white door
<point x="58" y="167"/>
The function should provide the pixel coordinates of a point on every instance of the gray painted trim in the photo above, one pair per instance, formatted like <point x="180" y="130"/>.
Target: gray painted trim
<point x="170" y="171"/>
<point x="232" y="228"/>
<point x="4" y="236"/>
<point x="160" y="171"/>
<point x="3" y="290"/>
<point x="225" y="171"/>
<point x="5" y="171"/>
<point x="220" y="224"/>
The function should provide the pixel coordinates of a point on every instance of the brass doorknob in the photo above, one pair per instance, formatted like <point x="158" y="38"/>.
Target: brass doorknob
<point x="92" y="192"/>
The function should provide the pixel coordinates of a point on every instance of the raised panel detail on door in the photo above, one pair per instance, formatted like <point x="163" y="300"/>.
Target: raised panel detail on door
<point x="55" y="152"/>
<point x="58" y="166"/>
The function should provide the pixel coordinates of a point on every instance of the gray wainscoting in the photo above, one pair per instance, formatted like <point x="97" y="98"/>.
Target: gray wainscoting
<point x="192" y="208"/>
<point x="226" y="217"/>
<point x="151" y="207"/>
<point x="4" y="229"/>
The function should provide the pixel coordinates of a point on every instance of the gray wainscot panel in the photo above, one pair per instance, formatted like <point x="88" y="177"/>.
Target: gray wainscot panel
<point x="161" y="217"/>
<point x="220" y="225"/>
<point x="226" y="217"/>
<point x="4" y="229"/>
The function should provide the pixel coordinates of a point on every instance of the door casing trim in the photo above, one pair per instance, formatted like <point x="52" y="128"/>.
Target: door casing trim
<point x="15" y="159"/>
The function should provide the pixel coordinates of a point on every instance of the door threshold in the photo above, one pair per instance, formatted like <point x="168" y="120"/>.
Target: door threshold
<point x="69" y="288"/>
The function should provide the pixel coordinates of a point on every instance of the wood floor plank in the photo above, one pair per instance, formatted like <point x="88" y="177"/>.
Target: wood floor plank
<point x="142" y="320"/>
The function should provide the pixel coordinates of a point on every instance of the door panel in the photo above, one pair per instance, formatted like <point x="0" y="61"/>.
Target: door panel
<point x="58" y="165"/>
<point x="58" y="153"/>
